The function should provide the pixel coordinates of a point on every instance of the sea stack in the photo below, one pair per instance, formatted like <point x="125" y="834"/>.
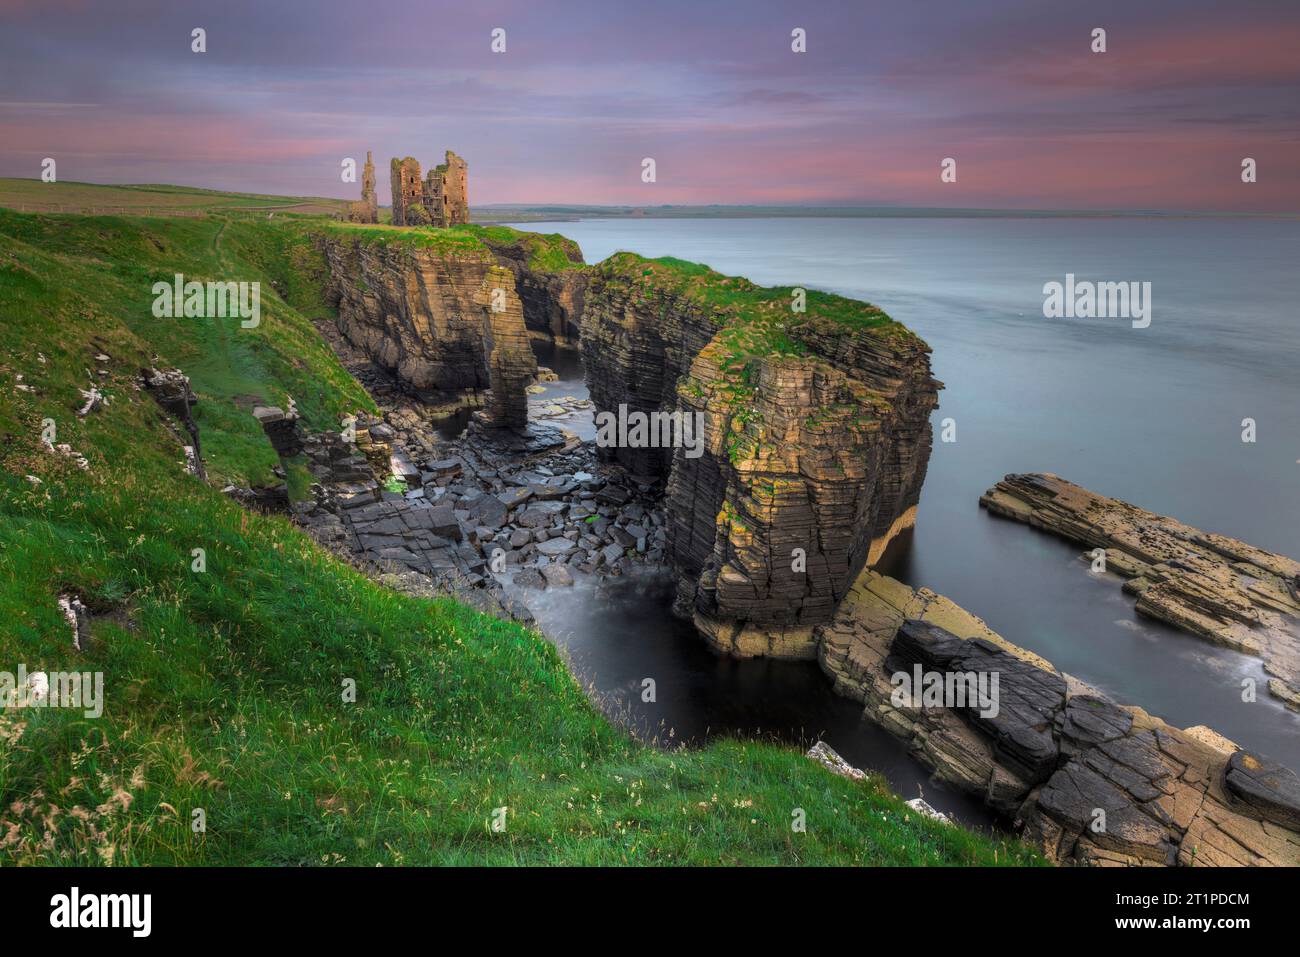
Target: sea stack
<point x="815" y="419"/>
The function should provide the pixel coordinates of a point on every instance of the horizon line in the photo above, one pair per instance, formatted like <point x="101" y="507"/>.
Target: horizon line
<point x="878" y="207"/>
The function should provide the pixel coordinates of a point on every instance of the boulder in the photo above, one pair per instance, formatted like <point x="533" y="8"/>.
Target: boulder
<point x="540" y="514"/>
<point x="1270" y="790"/>
<point x="557" y="575"/>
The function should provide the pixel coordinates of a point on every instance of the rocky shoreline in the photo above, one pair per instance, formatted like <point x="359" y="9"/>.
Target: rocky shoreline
<point x="1084" y="779"/>
<point x="1218" y="588"/>
<point x="812" y="410"/>
<point x="475" y="517"/>
<point x="1059" y="757"/>
<point x="816" y="437"/>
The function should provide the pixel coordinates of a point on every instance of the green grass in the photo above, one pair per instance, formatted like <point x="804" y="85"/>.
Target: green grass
<point x="75" y="285"/>
<point x="224" y="688"/>
<point x="734" y="298"/>
<point x="455" y="241"/>
<point x="758" y="321"/>
<point x="72" y="196"/>
<point x="757" y="325"/>
<point x="542" y="252"/>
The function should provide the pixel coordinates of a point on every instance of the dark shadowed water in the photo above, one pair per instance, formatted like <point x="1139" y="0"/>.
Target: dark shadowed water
<point x="451" y="426"/>
<point x="564" y="361"/>
<point x="1153" y="416"/>
<point x="618" y="633"/>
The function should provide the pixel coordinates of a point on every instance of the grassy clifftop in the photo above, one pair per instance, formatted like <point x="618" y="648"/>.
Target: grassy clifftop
<point x="540" y="252"/>
<point x="737" y="299"/>
<point x="757" y="321"/>
<point x="224" y="688"/>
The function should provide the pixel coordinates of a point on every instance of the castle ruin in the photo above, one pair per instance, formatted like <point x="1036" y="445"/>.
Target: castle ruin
<point x="440" y="199"/>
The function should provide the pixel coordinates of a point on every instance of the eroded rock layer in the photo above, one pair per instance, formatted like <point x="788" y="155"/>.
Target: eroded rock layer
<point x="813" y="443"/>
<point x="550" y="278"/>
<point x="1221" y="589"/>
<point x="1088" y="781"/>
<point x="436" y="310"/>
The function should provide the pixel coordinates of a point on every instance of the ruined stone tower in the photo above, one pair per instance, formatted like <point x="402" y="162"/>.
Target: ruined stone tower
<point x="366" y="211"/>
<point x="441" y="199"/>
<point x="453" y="194"/>
<point x="368" y="183"/>
<point x="408" y="192"/>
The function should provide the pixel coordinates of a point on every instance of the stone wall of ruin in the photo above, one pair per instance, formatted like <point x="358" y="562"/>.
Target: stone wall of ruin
<point x="440" y="199"/>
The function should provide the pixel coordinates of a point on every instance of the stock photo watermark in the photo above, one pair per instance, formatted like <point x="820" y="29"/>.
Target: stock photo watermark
<point x="1085" y="299"/>
<point x="66" y="690"/>
<point x="208" y="300"/>
<point x="626" y="429"/>
<point x="976" y="690"/>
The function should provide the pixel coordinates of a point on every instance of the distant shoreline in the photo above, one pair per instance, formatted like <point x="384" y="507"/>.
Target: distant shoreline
<point x="33" y="196"/>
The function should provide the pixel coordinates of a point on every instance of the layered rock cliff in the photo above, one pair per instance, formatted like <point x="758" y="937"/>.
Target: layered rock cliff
<point x="435" y="308"/>
<point x="550" y="277"/>
<point x="815" y="437"/>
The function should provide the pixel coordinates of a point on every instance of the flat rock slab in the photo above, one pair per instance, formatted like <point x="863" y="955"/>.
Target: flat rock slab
<point x="513" y="497"/>
<point x="1090" y="782"/>
<point x="1219" y="588"/>
<point x="437" y="519"/>
<point x="1087" y="801"/>
<point x="444" y="469"/>
<point x="830" y="759"/>
<point x="1026" y="700"/>
<point x="489" y="511"/>
<point x="504" y="447"/>
<point x="613" y="495"/>
<point x="552" y="489"/>
<point x="403" y="467"/>
<point x="529" y="578"/>
<point x="556" y="547"/>
<point x="1089" y="720"/>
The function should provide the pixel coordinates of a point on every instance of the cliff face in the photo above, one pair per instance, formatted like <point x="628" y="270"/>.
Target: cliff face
<point x="815" y="438"/>
<point x="549" y="275"/>
<point x="436" y="309"/>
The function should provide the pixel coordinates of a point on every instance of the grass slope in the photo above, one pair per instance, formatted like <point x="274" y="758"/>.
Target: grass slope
<point x="223" y="688"/>
<point x="71" y="196"/>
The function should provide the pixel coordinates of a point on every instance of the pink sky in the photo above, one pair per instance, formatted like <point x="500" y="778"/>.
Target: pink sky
<point x="711" y="91"/>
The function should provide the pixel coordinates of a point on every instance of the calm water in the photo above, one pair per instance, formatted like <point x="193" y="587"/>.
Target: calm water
<point x="1149" y="415"/>
<point x="619" y="632"/>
